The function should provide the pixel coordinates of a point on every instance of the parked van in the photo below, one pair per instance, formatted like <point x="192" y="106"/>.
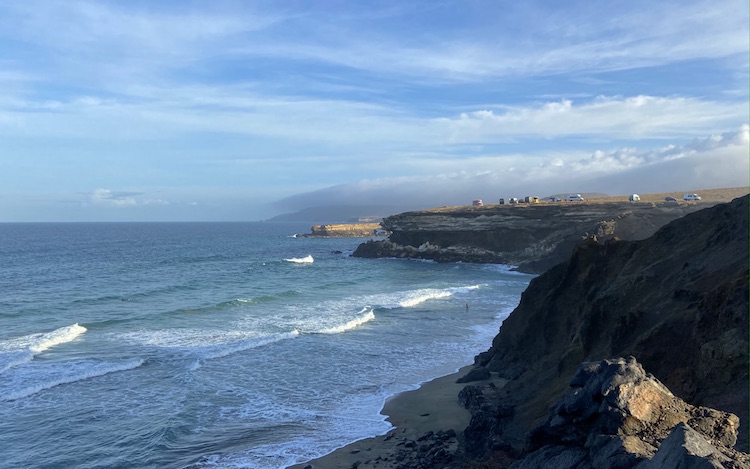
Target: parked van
<point x="574" y="198"/>
<point x="634" y="198"/>
<point x="477" y="202"/>
<point x="691" y="197"/>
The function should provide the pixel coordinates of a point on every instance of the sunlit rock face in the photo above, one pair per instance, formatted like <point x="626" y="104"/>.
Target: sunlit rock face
<point x="617" y="416"/>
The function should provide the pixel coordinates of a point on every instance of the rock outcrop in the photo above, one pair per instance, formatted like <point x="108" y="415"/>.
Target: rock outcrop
<point x="344" y="230"/>
<point x="616" y="416"/>
<point x="534" y="237"/>
<point x="677" y="301"/>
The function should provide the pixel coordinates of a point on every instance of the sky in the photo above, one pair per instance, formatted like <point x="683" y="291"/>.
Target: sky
<point x="190" y="110"/>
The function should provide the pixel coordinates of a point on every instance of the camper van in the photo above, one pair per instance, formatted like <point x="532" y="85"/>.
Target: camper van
<point x="574" y="198"/>
<point x="634" y="198"/>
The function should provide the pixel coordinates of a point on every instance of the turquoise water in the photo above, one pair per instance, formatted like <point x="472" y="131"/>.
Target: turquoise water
<point x="212" y="345"/>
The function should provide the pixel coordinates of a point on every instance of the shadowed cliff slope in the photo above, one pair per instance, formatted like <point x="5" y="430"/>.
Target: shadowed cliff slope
<point x="677" y="301"/>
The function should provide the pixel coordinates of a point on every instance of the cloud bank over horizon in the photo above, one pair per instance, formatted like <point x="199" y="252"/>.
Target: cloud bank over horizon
<point x="718" y="161"/>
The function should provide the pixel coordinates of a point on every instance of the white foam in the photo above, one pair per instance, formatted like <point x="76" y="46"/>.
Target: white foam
<point x="416" y="297"/>
<point x="354" y="323"/>
<point x="301" y="260"/>
<point x="56" y="337"/>
<point x="255" y="342"/>
<point x="422" y="296"/>
<point x="88" y="371"/>
<point x="23" y="349"/>
<point x="505" y="269"/>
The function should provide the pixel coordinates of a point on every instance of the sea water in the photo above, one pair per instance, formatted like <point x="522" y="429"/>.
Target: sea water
<point x="219" y="345"/>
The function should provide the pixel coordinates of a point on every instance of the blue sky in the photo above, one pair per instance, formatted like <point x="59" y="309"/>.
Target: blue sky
<point x="241" y="110"/>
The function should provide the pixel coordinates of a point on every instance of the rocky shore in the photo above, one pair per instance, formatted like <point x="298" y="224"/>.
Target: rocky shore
<point x="630" y="354"/>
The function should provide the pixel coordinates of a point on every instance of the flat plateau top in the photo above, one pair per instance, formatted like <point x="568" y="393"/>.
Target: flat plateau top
<point x="707" y="196"/>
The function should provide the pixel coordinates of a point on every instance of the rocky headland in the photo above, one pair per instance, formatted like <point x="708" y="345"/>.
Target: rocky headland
<point x="533" y="237"/>
<point x="344" y="230"/>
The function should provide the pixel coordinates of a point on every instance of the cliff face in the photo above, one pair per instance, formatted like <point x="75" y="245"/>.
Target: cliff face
<point x="534" y="237"/>
<point x="677" y="301"/>
<point x="344" y="230"/>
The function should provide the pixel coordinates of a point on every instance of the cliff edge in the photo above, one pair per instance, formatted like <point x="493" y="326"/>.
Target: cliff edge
<point x="677" y="302"/>
<point x="533" y="237"/>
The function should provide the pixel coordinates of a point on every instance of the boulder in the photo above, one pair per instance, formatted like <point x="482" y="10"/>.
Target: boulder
<point x="617" y="416"/>
<point x="478" y="373"/>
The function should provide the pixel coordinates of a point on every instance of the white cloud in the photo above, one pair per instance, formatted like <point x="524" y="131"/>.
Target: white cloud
<point x="105" y="197"/>
<point x="605" y="116"/>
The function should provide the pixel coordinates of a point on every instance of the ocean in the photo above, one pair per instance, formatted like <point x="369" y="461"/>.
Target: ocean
<point x="219" y="345"/>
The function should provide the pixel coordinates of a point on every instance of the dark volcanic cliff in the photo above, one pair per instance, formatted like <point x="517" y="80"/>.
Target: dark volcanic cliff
<point x="535" y="236"/>
<point x="677" y="302"/>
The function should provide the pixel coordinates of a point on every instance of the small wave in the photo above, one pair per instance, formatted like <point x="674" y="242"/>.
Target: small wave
<point x="228" y="349"/>
<point x="90" y="372"/>
<point x="301" y="260"/>
<point x="465" y="289"/>
<point x="26" y="348"/>
<point x="56" y="337"/>
<point x="414" y="300"/>
<point x="417" y="297"/>
<point x="356" y="322"/>
<point x="219" y="351"/>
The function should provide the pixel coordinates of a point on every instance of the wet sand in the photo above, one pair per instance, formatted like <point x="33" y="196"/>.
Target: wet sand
<point x="432" y="407"/>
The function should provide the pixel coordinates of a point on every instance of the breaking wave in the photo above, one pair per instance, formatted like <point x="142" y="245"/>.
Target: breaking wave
<point x="418" y="297"/>
<point x="301" y="260"/>
<point x="72" y="374"/>
<point x="22" y="350"/>
<point x="223" y="350"/>
<point x="354" y="323"/>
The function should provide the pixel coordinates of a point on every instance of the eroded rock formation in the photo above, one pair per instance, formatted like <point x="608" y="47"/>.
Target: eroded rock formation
<point x="344" y="230"/>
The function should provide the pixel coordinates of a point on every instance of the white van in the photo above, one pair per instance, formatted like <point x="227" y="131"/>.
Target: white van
<point x="691" y="197"/>
<point x="574" y="198"/>
<point x="634" y="198"/>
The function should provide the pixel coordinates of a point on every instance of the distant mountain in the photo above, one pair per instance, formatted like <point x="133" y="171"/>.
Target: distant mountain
<point x="340" y="214"/>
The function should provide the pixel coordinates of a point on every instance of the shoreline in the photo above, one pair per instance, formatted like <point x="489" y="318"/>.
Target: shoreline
<point x="432" y="407"/>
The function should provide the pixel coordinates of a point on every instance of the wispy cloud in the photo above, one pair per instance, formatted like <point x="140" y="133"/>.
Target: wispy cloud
<point x="108" y="198"/>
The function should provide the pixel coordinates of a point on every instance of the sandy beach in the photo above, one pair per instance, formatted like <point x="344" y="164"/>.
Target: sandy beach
<point x="432" y="407"/>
